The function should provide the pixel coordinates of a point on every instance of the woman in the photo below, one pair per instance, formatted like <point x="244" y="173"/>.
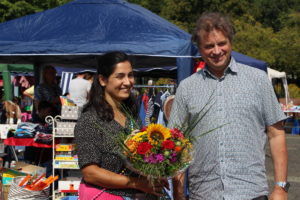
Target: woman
<point x="47" y="91"/>
<point x="104" y="173"/>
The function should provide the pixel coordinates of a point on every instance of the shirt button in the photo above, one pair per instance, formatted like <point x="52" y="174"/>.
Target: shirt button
<point x="221" y="143"/>
<point x="222" y="160"/>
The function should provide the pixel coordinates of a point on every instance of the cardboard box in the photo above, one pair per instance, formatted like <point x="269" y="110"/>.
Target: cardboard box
<point x="63" y="164"/>
<point x="69" y="184"/>
<point x="71" y="112"/>
<point x="29" y="169"/>
<point x="65" y="147"/>
<point x="65" y="129"/>
<point x="9" y="174"/>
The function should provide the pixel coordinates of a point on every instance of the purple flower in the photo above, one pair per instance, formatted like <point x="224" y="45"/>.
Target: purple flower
<point x="173" y="154"/>
<point x="150" y="159"/>
<point x="173" y="157"/>
<point x="159" y="157"/>
<point x="153" y="159"/>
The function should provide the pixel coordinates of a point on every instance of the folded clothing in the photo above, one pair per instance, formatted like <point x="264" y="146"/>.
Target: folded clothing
<point x="29" y="130"/>
<point x="43" y="138"/>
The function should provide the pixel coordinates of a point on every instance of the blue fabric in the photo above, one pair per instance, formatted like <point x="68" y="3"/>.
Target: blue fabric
<point x="247" y="60"/>
<point x="142" y="114"/>
<point x="296" y="128"/>
<point x="89" y="28"/>
<point x="66" y="77"/>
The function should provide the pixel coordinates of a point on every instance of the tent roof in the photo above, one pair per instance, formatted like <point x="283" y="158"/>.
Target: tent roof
<point x="73" y="34"/>
<point x="250" y="61"/>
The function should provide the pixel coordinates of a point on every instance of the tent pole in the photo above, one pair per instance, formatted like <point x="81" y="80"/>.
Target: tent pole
<point x="6" y="82"/>
<point x="37" y="73"/>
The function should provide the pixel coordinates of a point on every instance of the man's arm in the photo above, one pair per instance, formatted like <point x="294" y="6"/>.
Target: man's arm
<point x="276" y="135"/>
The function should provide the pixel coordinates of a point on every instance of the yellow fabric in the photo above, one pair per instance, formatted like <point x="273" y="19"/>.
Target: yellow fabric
<point x="30" y="90"/>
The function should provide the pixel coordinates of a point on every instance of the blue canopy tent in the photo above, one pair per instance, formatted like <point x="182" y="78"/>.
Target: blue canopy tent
<point x="250" y="61"/>
<point x="74" y="34"/>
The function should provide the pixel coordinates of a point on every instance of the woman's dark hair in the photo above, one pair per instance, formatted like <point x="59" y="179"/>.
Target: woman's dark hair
<point x="96" y="101"/>
<point x="46" y="70"/>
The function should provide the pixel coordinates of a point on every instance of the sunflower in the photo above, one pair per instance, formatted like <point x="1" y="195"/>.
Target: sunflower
<point x="157" y="132"/>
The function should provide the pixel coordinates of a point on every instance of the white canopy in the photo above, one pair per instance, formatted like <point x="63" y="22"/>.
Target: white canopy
<point x="272" y="73"/>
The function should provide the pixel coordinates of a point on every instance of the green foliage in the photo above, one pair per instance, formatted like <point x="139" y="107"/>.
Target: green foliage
<point x="287" y="48"/>
<point x="254" y="40"/>
<point x="294" y="91"/>
<point x="180" y="12"/>
<point x="164" y="81"/>
<point x="154" y="6"/>
<point x="11" y="9"/>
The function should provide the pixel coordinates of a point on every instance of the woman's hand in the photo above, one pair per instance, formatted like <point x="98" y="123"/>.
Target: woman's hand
<point x="154" y="187"/>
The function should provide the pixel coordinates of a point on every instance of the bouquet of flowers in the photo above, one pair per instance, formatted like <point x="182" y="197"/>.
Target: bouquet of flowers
<point x="158" y="151"/>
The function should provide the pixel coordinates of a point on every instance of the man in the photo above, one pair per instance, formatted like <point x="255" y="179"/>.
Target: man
<point x="229" y="162"/>
<point x="79" y="89"/>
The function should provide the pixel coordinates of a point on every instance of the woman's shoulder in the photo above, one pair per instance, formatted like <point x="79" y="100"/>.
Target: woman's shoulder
<point x="86" y="124"/>
<point x="88" y="116"/>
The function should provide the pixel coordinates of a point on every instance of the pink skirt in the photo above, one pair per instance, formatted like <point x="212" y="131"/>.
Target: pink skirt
<point x="87" y="192"/>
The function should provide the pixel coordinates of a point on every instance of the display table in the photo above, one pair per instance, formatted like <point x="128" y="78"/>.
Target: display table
<point x="25" y="142"/>
<point x="293" y="118"/>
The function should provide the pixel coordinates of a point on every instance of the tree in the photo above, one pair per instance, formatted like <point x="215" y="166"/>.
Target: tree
<point x="288" y="50"/>
<point x="272" y="13"/>
<point x="11" y="9"/>
<point x="154" y="6"/>
<point x="254" y="40"/>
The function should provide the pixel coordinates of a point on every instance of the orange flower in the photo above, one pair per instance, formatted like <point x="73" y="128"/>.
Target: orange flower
<point x="132" y="145"/>
<point x="177" y="148"/>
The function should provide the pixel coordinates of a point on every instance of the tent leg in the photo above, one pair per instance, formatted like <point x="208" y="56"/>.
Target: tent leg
<point x="6" y="82"/>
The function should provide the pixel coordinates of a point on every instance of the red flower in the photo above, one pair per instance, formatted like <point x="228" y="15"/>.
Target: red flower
<point x="144" y="148"/>
<point x="144" y="129"/>
<point x="176" y="133"/>
<point x="168" y="144"/>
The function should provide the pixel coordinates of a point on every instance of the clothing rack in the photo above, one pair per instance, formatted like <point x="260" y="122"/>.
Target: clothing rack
<point x="154" y="86"/>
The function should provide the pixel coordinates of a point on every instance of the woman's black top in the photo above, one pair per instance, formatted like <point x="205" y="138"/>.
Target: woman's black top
<point x="95" y="144"/>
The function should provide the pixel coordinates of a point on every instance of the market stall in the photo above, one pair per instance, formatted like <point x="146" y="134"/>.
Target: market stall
<point x="274" y="74"/>
<point x="75" y="34"/>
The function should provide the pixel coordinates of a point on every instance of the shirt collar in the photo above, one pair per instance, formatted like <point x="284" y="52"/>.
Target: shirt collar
<point x="231" y="68"/>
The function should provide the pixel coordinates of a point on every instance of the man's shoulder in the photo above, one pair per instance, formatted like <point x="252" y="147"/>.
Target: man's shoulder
<point x="249" y="69"/>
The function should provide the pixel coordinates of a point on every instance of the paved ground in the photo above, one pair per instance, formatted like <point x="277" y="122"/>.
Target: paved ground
<point x="293" y="144"/>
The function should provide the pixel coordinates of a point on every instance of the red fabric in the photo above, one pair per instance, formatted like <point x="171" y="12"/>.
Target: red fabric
<point x="24" y="142"/>
<point x="198" y="66"/>
<point x="145" y="100"/>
